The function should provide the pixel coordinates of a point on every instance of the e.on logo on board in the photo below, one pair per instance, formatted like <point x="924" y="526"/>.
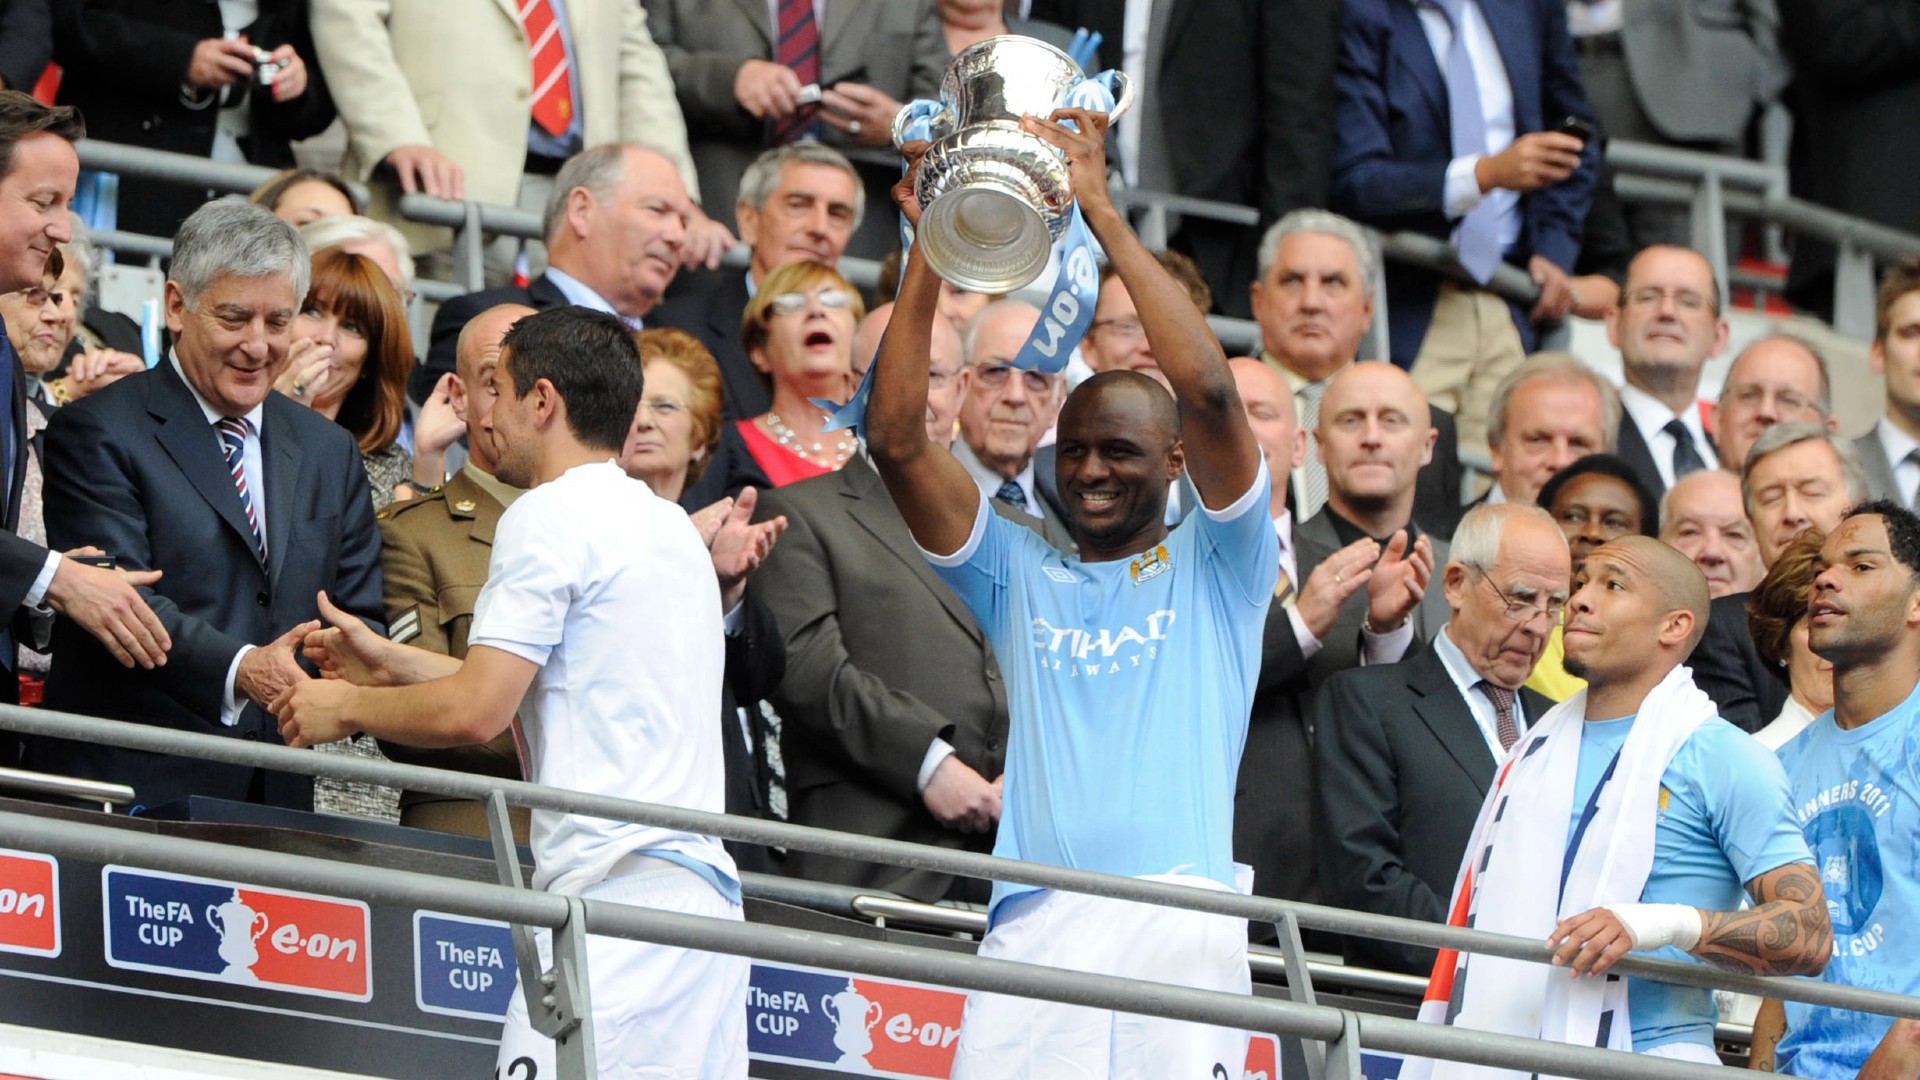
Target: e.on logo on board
<point x="29" y="903"/>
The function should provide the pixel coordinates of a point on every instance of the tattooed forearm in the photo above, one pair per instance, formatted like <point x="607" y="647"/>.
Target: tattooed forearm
<point x="1785" y="933"/>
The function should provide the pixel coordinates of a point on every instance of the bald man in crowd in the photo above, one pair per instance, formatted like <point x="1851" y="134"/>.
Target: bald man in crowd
<point x="1334" y="590"/>
<point x="1704" y="518"/>
<point x="1779" y="379"/>
<point x="1697" y="819"/>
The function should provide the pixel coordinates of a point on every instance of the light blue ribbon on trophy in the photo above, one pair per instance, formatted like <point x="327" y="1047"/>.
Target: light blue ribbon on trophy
<point x="1068" y="311"/>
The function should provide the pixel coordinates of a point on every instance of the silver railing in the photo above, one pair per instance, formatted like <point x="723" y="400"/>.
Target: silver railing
<point x="1343" y="1031"/>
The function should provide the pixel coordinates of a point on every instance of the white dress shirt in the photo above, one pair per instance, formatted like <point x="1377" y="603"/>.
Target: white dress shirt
<point x="1906" y="473"/>
<point x="1385" y="648"/>
<point x="577" y="292"/>
<point x="1462" y="191"/>
<point x="1465" y="679"/>
<point x="1651" y="416"/>
<point x="989" y="481"/>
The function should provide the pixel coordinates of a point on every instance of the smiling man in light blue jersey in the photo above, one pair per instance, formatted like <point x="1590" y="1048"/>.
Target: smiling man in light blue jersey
<point x="1130" y="668"/>
<point x="1855" y="774"/>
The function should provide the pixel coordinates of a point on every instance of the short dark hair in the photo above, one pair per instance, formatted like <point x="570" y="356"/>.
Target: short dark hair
<point x="591" y="360"/>
<point x="21" y="116"/>
<point x="1182" y="269"/>
<point x="1606" y="465"/>
<point x="1903" y="531"/>
<point x="1901" y="278"/>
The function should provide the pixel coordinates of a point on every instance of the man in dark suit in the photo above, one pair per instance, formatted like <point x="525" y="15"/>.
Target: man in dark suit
<point x="177" y="75"/>
<point x="798" y="203"/>
<point x="249" y="502"/>
<point x="895" y="714"/>
<point x="615" y="227"/>
<point x="38" y="169"/>
<point x="1236" y="105"/>
<point x="1428" y="140"/>
<point x="1667" y="327"/>
<point x="1890" y="450"/>
<point x="1314" y="302"/>
<point x="739" y="65"/>
<point x="1314" y="628"/>
<point x="1406" y="752"/>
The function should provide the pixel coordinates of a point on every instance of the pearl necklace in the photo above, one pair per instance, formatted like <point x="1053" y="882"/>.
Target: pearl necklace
<point x="814" y="452"/>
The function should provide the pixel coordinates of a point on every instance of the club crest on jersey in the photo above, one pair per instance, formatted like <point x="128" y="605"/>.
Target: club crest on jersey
<point x="1150" y="565"/>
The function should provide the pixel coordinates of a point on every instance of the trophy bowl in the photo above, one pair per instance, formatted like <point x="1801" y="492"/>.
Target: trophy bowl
<point x="994" y="198"/>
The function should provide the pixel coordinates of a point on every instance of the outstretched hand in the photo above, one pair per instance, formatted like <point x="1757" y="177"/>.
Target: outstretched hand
<point x="266" y="672"/>
<point x="312" y="712"/>
<point x="348" y="649"/>
<point x="108" y="605"/>
<point x="1086" y="150"/>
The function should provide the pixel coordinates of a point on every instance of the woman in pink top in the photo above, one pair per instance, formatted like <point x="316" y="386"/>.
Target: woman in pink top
<point x="798" y="330"/>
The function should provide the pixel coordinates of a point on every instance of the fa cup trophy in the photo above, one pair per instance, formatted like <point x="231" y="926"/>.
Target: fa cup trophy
<point x="994" y="197"/>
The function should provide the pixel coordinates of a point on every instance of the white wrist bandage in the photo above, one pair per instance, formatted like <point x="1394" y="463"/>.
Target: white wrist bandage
<point x="1653" y="926"/>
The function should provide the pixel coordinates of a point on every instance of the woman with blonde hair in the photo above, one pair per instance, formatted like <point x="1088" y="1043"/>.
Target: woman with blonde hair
<point x="798" y="330"/>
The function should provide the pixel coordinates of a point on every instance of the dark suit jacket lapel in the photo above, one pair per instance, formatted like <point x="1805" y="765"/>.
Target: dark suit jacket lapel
<point x="194" y="447"/>
<point x="870" y="507"/>
<point x="1438" y="703"/>
<point x="545" y="294"/>
<point x="16" y="482"/>
<point x="281" y="454"/>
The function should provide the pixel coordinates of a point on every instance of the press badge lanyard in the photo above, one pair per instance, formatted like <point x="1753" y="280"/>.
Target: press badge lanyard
<point x="1586" y="819"/>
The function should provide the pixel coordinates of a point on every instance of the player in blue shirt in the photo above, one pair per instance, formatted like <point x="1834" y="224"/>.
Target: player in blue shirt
<point x="1130" y="668"/>
<point x="1855" y="775"/>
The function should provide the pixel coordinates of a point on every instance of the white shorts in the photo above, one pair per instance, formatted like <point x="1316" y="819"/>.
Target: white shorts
<point x="659" y="1012"/>
<point x="1004" y="1037"/>
<point x="1686" y="1051"/>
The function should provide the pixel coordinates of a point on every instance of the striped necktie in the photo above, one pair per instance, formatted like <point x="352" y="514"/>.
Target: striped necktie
<point x="798" y="47"/>
<point x="233" y="441"/>
<point x="552" y="81"/>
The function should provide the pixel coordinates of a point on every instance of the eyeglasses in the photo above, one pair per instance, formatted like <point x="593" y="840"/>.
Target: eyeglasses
<point x="663" y="408"/>
<point x="1652" y="297"/>
<point x="1751" y="395"/>
<point x="1037" y="382"/>
<point x="1522" y="612"/>
<point x="788" y="303"/>
<point x="936" y="377"/>
<point x="37" y="296"/>
<point x="1126" y="328"/>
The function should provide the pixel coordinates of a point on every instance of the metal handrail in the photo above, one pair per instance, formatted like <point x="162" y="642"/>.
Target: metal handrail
<point x="67" y="787"/>
<point x="373" y="884"/>
<point x="227" y="177"/>
<point x="44" y="722"/>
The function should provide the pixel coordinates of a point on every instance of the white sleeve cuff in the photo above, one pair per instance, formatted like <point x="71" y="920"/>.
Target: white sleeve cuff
<point x="937" y="751"/>
<point x="1309" y="644"/>
<point x="233" y="701"/>
<point x="1462" y="190"/>
<point x="1386" y="648"/>
<point x="41" y="584"/>
<point x="959" y="558"/>
<point x="734" y="619"/>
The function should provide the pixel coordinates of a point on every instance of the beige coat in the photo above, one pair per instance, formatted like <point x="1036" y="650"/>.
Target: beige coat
<point x="455" y="75"/>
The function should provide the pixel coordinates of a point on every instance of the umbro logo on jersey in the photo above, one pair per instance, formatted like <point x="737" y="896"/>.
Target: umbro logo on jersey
<point x="1060" y="574"/>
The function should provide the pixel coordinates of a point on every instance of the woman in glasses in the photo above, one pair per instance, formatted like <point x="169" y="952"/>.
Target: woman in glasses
<point x="679" y="424"/>
<point x="798" y="330"/>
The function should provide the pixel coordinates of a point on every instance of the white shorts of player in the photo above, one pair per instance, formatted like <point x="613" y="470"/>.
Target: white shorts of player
<point x="1697" y="1053"/>
<point x="1004" y="1037"/>
<point x="659" y="1012"/>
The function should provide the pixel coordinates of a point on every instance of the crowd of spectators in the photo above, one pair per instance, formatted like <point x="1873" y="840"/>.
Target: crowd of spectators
<point x="172" y="517"/>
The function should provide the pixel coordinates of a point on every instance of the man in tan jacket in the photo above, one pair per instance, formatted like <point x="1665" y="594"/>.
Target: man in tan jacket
<point x="434" y="558"/>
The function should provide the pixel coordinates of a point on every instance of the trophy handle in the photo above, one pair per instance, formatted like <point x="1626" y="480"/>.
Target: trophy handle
<point x="1120" y="87"/>
<point x="921" y="119"/>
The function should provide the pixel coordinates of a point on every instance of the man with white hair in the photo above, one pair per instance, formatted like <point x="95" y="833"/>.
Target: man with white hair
<point x="1551" y="412"/>
<point x="357" y="235"/>
<point x="1703" y="518"/>
<point x="615" y="226"/>
<point x="250" y="503"/>
<point x="1314" y="302"/>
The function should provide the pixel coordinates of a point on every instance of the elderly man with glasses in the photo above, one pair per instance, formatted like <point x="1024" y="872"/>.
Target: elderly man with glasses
<point x="1407" y="751"/>
<point x="1004" y="411"/>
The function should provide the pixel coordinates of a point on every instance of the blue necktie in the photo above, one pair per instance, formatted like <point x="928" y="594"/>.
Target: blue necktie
<point x="1479" y="236"/>
<point x="1011" y="494"/>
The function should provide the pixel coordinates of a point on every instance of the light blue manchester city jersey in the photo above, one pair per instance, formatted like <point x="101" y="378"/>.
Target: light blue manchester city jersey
<point x="1128" y="687"/>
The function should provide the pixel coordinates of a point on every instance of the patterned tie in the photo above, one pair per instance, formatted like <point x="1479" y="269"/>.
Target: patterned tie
<point x="1313" y="473"/>
<point x="1685" y="458"/>
<point x="552" y="82"/>
<point x="1283" y="591"/>
<point x="798" y="48"/>
<point x="1011" y="494"/>
<point x="1503" y="725"/>
<point x="1479" y="237"/>
<point x="233" y="440"/>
